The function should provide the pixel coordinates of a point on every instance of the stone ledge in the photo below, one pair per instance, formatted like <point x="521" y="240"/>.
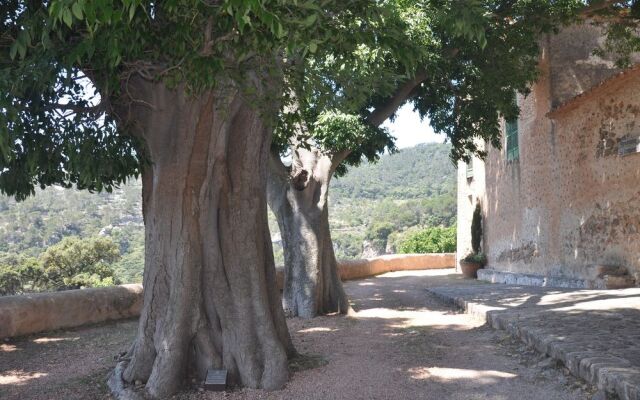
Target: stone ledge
<point x="31" y="313"/>
<point x="366" y="267"/>
<point x="513" y="278"/>
<point x="607" y="372"/>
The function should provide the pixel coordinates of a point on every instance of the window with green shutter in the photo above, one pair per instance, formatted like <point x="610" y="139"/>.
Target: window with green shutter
<point x="511" y="132"/>
<point x="470" y="168"/>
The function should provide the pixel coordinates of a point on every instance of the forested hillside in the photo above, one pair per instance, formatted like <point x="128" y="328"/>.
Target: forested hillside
<point x="379" y="204"/>
<point x="417" y="172"/>
<point x="28" y="228"/>
<point x="376" y="204"/>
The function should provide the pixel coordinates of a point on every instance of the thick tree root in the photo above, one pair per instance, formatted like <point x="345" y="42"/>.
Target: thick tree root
<point x="117" y="385"/>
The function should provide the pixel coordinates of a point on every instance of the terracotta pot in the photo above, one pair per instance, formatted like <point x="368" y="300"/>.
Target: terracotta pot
<point x="470" y="269"/>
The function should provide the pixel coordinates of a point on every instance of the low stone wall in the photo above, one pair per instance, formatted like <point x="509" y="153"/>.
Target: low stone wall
<point x="366" y="267"/>
<point x="26" y="314"/>
<point x="363" y="268"/>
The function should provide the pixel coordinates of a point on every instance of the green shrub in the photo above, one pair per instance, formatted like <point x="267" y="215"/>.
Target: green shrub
<point x="478" y="258"/>
<point x="75" y="263"/>
<point x="379" y="230"/>
<point x="70" y="264"/>
<point x="430" y="240"/>
<point x="10" y="282"/>
<point x="476" y="229"/>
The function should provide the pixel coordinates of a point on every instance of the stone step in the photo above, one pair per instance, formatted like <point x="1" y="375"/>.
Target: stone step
<point x="605" y="281"/>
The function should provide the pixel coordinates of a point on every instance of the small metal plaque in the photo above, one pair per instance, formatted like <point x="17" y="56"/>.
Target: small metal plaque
<point x="216" y="380"/>
<point x="629" y="145"/>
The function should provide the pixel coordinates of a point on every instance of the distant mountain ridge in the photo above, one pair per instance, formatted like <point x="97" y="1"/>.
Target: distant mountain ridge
<point x="416" y="172"/>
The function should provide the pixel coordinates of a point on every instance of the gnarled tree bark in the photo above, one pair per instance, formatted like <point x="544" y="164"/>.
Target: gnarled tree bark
<point x="299" y="199"/>
<point x="210" y="294"/>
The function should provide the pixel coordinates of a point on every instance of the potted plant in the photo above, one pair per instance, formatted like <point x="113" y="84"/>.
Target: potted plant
<point x="471" y="263"/>
<point x="475" y="260"/>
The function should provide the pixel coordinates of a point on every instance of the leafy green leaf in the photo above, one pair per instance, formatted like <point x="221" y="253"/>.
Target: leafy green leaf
<point x="310" y="20"/>
<point x="67" y="18"/>
<point x="76" y="8"/>
<point x="13" y="50"/>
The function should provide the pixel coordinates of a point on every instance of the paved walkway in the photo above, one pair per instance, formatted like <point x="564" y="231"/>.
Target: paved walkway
<point x="594" y="333"/>
<point x="403" y="343"/>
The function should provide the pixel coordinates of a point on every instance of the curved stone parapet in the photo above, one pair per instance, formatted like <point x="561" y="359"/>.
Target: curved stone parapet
<point x="31" y="313"/>
<point x="363" y="268"/>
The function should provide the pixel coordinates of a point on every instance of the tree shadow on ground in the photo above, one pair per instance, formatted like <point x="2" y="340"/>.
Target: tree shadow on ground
<point x="423" y="345"/>
<point x="53" y="365"/>
<point x="402" y="343"/>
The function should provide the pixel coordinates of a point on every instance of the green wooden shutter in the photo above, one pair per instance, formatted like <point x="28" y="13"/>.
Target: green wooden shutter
<point x="511" y="130"/>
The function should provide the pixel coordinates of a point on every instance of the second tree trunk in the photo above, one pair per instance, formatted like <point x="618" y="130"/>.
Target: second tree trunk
<point x="312" y="284"/>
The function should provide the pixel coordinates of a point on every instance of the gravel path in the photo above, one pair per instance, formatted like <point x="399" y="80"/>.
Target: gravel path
<point x="403" y="343"/>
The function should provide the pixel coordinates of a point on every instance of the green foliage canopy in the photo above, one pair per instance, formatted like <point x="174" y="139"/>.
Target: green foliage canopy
<point x="342" y="132"/>
<point x="331" y="89"/>
<point x="430" y="240"/>
<point x="66" y="66"/>
<point x="457" y="61"/>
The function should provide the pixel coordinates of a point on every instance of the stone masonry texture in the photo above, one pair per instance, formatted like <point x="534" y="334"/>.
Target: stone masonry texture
<point x="570" y="202"/>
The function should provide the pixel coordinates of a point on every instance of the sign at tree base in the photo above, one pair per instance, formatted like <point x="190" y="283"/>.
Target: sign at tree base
<point x="216" y="380"/>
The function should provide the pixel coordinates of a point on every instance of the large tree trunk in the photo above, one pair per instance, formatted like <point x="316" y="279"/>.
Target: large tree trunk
<point x="312" y="285"/>
<point x="210" y="295"/>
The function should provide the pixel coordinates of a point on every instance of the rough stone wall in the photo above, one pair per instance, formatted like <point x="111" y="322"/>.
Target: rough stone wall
<point x="470" y="192"/>
<point x="600" y="223"/>
<point x="570" y="202"/>
<point x="573" y="66"/>
<point x="519" y="200"/>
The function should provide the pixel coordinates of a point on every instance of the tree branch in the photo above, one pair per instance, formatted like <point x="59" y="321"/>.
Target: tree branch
<point x="338" y="158"/>
<point x="276" y="164"/>
<point x="98" y="108"/>
<point x="386" y="110"/>
<point x="402" y="94"/>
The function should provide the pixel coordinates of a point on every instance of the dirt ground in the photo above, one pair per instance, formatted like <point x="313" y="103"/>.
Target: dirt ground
<point x="403" y="343"/>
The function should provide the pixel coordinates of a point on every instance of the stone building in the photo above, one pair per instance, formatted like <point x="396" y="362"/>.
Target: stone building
<point x="561" y="199"/>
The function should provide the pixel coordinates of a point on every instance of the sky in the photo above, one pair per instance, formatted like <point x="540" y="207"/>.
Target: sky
<point x="409" y="130"/>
